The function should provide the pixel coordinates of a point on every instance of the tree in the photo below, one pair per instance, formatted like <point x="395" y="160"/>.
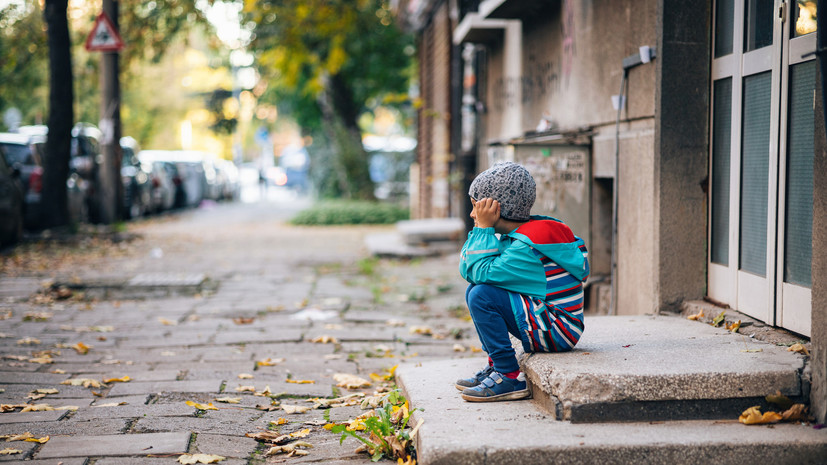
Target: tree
<point x="24" y="75"/>
<point x="326" y="62"/>
<point x="61" y="115"/>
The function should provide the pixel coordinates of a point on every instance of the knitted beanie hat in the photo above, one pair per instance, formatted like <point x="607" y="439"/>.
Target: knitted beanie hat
<point x="511" y="185"/>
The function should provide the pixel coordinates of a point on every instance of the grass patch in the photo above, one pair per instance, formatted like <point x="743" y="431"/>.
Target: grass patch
<point x="339" y="212"/>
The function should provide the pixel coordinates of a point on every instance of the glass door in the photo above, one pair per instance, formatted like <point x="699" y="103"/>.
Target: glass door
<point x="761" y="144"/>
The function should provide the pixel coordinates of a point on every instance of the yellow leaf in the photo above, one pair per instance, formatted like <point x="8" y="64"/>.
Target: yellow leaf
<point x="408" y="461"/>
<point x="266" y="392"/>
<point x="29" y="341"/>
<point x="37" y="408"/>
<point x="696" y="316"/>
<point x="189" y="459"/>
<point x="41" y="360"/>
<point x="208" y="406"/>
<point x="85" y="382"/>
<point x="753" y="416"/>
<point x="301" y="381"/>
<point x="268" y="362"/>
<point x="280" y="421"/>
<point x="46" y="391"/>
<point x="799" y="348"/>
<point x="719" y="319"/>
<point x="10" y="451"/>
<point x="67" y="407"/>
<point x="245" y="389"/>
<point x="376" y="378"/>
<point x="125" y="379"/>
<point x="81" y="348"/>
<point x="348" y="381"/>
<point x="229" y="400"/>
<point x="245" y="376"/>
<point x="291" y="409"/>
<point x="797" y="412"/>
<point x="733" y="327"/>
<point x="459" y="348"/>
<point x="19" y="437"/>
<point x="325" y="340"/>
<point x="752" y="350"/>
<point x="425" y="330"/>
<point x="42" y="440"/>
<point x="58" y="371"/>
<point x="167" y="322"/>
<point x="110" y="404"/>
<point x="783" y="402"/>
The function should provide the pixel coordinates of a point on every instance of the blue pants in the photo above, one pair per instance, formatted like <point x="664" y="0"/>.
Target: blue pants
<point x="493" y="318"/>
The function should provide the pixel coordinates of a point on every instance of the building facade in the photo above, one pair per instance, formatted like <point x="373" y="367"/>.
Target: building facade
<point x="682" y="139"/>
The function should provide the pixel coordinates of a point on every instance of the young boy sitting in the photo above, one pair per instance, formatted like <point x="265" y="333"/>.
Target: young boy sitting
<point x="528" y="282"/>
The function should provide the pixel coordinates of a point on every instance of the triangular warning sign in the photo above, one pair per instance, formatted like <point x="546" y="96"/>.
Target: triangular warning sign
<point x="104" y="37"/>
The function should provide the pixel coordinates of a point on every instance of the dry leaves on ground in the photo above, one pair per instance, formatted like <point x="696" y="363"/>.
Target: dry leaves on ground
<point x="28" y="341"/>
<point x="301" y="381"/>
<point x="344" y="401"/>
<point x="85" y="382"/>
<point x="424" y="330"/>
<point x="189" y="459"/>
<point x="325" y="339"/>
<point x="269" y="362"/>
<point x="81" y="348"/>
<point x="245" y="376"/>
<point x="291" y="409"/>
<point x="753" y="415"/>
<point x="208" y="406"/>
<point x="10" y="451"/>
<point x="349" y="381"/>
<point x="276" y="438"/>
<point x="27" y="436"/>
<point x="229" y="400"/>
<point x="293" y="449"/>
<point x="124" y="379"/>
<point x="696" y="316"/>
<point x="799" y="348"/>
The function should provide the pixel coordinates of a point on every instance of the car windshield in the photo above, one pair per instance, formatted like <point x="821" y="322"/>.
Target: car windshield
<point x="16" y="153"/>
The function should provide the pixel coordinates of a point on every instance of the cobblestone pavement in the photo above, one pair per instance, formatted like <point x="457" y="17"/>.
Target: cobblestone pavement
<point x="222" y="302"/>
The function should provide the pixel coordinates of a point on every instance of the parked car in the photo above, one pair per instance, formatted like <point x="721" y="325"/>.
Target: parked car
<point x="11" y="205"/>
<point x="231" y="181"/>
<point x="162" y="186"/>
<point x="137" y="188"/>
<point x="25" y="153"/>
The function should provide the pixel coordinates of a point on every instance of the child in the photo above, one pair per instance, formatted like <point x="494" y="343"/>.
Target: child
<point x="528" y="282"/>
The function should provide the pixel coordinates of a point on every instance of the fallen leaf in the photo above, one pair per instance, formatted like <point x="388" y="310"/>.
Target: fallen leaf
<point x="37" y="316"/>
<point x="245" y="376"/>
<point x="85" y="382"/>
<point x="58" y="371"/>
<point x="67" y="407"/>
<point x="245" y="389"/>
<point x="110" y="404"/>
<point x="167" y="322"/>
<point x="280" y="421"/>
<point x="696" y="316"/>
<point x="291" y="409"/>
<point x="81" y="348"/>
<point x="189" y="459"/>
<point x="37" y="408"/>
<point x="11" y="407"/>
<point x="733" y="327"/>
<point x="459" y="348"/>
<point x="29" y="341"/>
<point x="208" y="406"/>
<point x="276" y="438"/>
<point x="301" y="381"/>
<point x="41" y="360"/>
<point x="243" y="321"/>
<point x="229" y="400"/>
<point x="46" y="391"/>
<point x="265" y="393"/>
<point x="753" y="416"/>
<point x="348" y="381"/>
<point x="325" y="340"/>
<point x="18" y="437"/>
<point x="719" y="319"/>
<point x="751" y="351"/>
<point x="395" y="323"/>
<point x="42" y="440"/>
<point x="797" y="412"/>
<point x="783" y="402"/>
<point x="425" y="330"/>
<point x="798" y="348"/>
<point x="125" y="379"/>
<point x="10" y="451"/>
<point x="290" y="449"/>
<point x="268" y="362"/>
<point x="34" y="396"/>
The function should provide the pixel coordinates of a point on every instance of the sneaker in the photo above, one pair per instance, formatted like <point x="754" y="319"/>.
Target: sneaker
<point x="497" y="387"/>
<point x="474" y="381"/>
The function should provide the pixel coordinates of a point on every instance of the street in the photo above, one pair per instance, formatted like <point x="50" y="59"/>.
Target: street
<point x="225" y="305"/>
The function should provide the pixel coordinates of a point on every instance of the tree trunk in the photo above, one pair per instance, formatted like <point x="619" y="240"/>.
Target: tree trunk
<point x="55" y="206"/>
<point x="340" y="114"/>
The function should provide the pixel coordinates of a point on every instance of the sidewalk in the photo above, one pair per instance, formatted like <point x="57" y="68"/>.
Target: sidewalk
<point x="192" y="303"/>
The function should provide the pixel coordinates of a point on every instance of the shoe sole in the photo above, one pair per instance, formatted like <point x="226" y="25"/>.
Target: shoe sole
<point x="515" y="395"/>
<point x="461" y="388"/>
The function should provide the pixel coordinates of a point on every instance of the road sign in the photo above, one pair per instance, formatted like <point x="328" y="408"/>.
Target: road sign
<point x="104" y="37"/>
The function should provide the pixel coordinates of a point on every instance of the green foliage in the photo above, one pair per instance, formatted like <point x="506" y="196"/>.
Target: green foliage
<point x="24" y="66"/>
<point x="350" y="212"/>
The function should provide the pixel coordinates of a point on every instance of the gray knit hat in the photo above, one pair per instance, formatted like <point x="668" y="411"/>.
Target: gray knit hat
<point x="511" y="185"/>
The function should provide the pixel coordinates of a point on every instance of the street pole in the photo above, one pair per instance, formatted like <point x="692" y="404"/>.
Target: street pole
<point x="109" y="175"/>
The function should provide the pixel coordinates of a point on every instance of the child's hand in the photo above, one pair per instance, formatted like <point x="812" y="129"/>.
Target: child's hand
<point x="487" y="212"/>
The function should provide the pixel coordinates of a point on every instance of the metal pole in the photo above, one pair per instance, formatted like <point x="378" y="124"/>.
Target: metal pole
<point x="109" y="175"/>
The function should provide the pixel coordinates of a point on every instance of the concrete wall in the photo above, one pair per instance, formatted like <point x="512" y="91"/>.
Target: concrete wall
<point x="818" y="362"/>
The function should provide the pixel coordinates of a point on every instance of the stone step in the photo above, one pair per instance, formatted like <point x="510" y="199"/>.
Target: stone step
<point x="655" y="368"/>
<point x="521" y="432"/>
<point x="415" y="232"/>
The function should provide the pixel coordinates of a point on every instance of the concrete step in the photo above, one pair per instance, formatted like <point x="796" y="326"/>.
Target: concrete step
<point x="637" y="389"/>
<point x="521" y="432"/>
<point x="654" y="368"/>
<point x="431" y="230"/>
<point x="418" y="238"/>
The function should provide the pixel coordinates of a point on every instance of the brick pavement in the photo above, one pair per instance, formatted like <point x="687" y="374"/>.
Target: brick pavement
<point x="269" y="290"/>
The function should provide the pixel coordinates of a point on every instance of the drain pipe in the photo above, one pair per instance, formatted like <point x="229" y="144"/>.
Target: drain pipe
<point x="645" y="55"/>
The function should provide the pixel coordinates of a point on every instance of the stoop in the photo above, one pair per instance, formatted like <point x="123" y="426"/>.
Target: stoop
<point x="637" y="389"/>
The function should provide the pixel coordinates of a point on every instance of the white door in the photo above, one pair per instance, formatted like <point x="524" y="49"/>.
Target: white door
<point x="763" y="91"/>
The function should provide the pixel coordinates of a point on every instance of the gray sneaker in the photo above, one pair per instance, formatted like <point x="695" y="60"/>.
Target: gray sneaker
<point x="474" y="381"/>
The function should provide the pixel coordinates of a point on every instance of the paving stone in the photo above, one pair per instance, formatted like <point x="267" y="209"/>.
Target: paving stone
<point x="179" y="409"/>
<point x="61" y="461"/>
<point x="223" y="445"/>
<point x="175" y="339"/>
<point x="140" y="399"/>
<point x="99" y="367"/>
<point x="229" y="422"/>
<point x="18" y="367"/>
<point x="260" y="336"/>
<point x="29" y="417"/>
<point x="152" y="387"/>
<point x="25" y="449"/>
<point x="157" y="461"/>
<point x="363" y="332"/>
<point x="115" y="445"/>
<point x="276" y="351"/>
<point x="31" y="378"/>
<point x="68" y="427"/>
<point x="20" y="391"/>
